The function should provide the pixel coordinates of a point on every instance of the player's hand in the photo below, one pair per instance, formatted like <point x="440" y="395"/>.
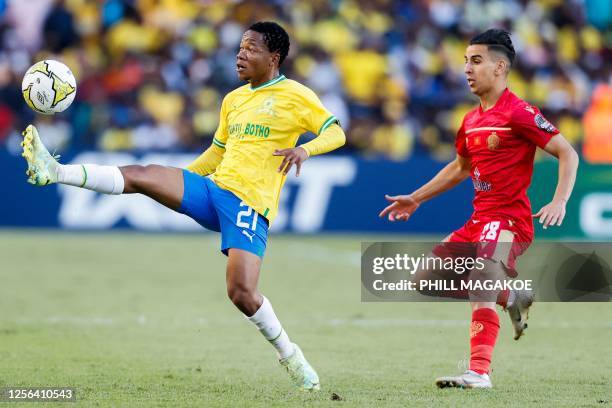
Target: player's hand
<point x="552" y="213"/>
<point x="296" y="155"/>
<point x="400" y="209"/>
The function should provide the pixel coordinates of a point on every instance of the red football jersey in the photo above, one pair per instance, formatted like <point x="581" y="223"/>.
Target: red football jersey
<point x="501" y="145"/>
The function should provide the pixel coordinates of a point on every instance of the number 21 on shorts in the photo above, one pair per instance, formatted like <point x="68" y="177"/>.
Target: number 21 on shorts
<point x="490" y="231"/>
<point x="246" y="214"/>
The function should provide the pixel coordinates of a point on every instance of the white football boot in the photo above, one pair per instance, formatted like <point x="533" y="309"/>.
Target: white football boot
<point x="300" y="371"/>
<point x="469" y="379"/>
<point x="42" y="166"/>
<point x="519" y="311"/>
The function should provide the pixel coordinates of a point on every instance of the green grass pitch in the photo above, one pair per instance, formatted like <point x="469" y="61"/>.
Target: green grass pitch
<point x="143" y="320"/>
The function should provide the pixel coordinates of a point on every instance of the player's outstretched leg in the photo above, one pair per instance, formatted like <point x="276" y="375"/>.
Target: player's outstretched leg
<point x="163" y="184"/>
<point x="242" y="275"/>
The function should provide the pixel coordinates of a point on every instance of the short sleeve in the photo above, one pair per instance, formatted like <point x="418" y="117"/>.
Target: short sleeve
<point x="314" y="117"/>
<point x="221" y="133"/>
<point x="460" y="142"/>
<point x="528" y="123"/>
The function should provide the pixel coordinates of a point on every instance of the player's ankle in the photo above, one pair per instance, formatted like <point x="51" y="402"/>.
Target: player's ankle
<point x="270" y="327"/>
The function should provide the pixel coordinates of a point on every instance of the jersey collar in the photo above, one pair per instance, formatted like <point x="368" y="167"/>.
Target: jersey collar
<point x="501" y="98"/>
<point x="269" y="83"/>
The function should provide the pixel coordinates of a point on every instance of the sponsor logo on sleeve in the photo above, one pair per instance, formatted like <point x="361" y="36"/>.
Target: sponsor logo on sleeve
<point x="543" y="124"/>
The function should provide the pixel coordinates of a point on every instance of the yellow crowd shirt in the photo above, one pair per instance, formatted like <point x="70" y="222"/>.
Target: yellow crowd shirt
<point x="253" y="123"/>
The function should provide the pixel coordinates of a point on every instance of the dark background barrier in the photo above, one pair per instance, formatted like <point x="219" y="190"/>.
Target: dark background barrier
<point x="336" y="193"/>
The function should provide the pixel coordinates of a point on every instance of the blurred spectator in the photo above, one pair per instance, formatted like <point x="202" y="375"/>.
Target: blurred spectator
<point x="58" y="29"/>
<point x="152" y="74"/>
<point x="598" y="126"/>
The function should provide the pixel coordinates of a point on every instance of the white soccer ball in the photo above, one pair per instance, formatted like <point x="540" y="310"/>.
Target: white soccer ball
<point x="48" y="87"/>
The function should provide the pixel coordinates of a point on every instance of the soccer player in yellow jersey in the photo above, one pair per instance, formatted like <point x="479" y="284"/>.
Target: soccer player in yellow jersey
<point x="252" y="151"/>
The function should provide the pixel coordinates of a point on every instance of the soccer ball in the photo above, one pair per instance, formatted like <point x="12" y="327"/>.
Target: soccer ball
<point x="48" y="87"/>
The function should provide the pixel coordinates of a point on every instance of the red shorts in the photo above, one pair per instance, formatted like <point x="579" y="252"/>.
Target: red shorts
<point x="495" y="239"/>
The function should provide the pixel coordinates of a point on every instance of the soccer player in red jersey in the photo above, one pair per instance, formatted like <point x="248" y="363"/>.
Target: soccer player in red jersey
<point x="495" y="145"/>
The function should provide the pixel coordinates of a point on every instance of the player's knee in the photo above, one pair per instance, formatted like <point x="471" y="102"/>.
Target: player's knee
<point x="137" y="178"/>
<point x="243" y="297"/>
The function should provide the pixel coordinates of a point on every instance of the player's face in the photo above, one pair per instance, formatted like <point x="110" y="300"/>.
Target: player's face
<point x="481" y="68"/>
<point x="254" y="61"/>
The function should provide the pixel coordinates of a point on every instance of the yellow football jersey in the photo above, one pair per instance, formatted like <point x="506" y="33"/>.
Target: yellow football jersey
<point x="253" y="123"/>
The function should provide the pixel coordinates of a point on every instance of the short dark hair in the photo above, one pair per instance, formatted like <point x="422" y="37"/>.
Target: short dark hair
<point x="275" y="37"/>
<point x="496" y="40"/>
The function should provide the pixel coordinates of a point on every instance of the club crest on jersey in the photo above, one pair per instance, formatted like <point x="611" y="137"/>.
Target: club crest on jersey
<point x="267" y="107"/>
<point x="543" y="124"/>
<point x="493" y="141"/>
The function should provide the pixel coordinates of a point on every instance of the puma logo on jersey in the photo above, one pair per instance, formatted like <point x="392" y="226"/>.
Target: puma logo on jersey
<point x="249" y="236"/>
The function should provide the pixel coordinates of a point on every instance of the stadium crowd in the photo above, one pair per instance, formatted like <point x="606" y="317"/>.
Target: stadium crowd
<point x="152" y="73"/>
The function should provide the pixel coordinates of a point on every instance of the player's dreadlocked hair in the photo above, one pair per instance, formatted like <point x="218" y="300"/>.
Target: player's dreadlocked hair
<point x="275" y="37"/>
<point x="496" y="40"/>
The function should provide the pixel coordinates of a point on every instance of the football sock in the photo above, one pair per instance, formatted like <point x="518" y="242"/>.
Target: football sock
<point x="483" y="334"/>
<point x="103" y="179"/>
<point x="266" y="321"/>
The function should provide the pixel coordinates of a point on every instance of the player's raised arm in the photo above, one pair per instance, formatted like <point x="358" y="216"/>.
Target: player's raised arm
<point x="402" y="206"/>
<point x="554" y="212"/>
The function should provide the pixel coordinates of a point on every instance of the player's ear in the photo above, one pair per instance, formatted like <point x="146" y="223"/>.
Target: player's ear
<point x="501" y="67"/>
<point x="275" y="59"/>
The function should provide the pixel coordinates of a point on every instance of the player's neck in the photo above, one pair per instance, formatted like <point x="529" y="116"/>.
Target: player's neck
<point x="489" y="99"/>
<point x="255" y="82"/>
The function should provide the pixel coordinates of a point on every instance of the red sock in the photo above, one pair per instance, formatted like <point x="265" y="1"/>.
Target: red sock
<point x="483" y="334"/>
<point x="502" y="298"/>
